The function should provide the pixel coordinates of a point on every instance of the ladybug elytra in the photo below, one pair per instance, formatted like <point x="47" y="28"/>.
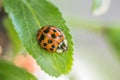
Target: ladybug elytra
<point x="52" y="39"/>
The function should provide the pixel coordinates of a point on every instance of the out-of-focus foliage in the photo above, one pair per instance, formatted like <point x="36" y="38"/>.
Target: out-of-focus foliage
<point x="100" y="7"/>
<point x="112" y="34"/>
<point x="16" y="44"/>
<point x="8" y="71"/>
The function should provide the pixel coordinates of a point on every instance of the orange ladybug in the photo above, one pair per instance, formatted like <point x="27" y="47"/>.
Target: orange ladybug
<point x="52" y="39"/>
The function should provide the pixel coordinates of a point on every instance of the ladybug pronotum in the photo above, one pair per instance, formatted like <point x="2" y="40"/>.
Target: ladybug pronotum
<point x="52" y="39"/>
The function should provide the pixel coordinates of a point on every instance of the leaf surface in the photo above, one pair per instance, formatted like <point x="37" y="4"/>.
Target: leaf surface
<point x="30" y="15"/>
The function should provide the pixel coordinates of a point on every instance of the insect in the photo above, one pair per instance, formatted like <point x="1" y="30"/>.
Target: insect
<point x="52" y="39"/>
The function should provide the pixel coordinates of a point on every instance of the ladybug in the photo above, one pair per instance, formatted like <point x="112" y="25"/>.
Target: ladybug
<point x="52" y="39"/>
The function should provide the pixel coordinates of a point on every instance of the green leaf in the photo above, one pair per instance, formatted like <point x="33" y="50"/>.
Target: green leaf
<point x="30" y="15"/>
<point x="100" y="7"/>
<point x="8" y="71"/>
<point x="16" y="44"/>
<point x="113" y="37"/>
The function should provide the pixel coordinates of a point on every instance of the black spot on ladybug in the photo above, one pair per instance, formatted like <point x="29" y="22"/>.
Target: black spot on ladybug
<point x="46" y="31"/>
<point x="49" y="41"/>
<point x="53" y="46"/>
<point x="54" y="30"/>
<point x="44" y="44"/>
<point x="51" y="49"/>
<point x="53" y="36"/>
<point x="42" y="37"/>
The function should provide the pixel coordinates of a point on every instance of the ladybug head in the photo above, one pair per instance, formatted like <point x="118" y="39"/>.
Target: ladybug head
<point x="62" y="46"/>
